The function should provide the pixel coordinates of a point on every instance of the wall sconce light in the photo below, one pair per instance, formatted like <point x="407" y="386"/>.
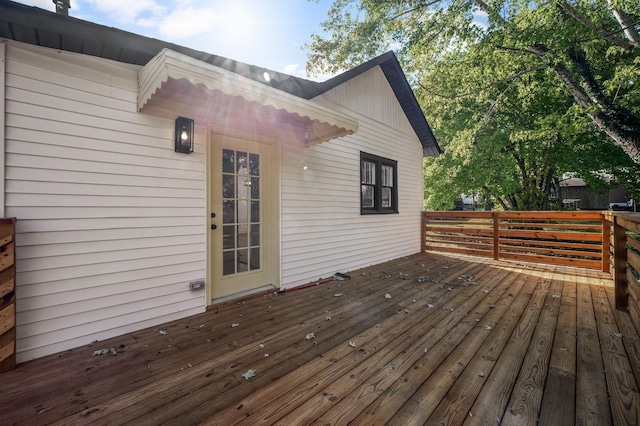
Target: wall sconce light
<point x="184" y="135"/>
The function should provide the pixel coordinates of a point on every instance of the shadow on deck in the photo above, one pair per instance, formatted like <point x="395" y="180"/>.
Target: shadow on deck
<point x="425" y="339"/>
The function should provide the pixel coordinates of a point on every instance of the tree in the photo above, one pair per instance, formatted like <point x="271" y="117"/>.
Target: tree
<point x="591" y="47"/>
<point x="543" y="89"/>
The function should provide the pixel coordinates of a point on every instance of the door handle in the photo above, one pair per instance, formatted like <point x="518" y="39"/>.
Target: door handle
<point x="213" y="226"/>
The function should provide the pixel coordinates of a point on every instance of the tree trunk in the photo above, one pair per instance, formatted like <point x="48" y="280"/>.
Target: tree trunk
<point x="620" y="125"/>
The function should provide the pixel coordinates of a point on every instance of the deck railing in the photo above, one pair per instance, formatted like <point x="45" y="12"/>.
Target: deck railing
<point x="623" y="232"/>
<point x="589" y="239"/>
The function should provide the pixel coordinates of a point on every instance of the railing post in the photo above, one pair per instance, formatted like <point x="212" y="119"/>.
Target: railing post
<point x="495" y="216"/>
<point x="606" y="242"/>
<point x="620" y="265"/>
<point x="424" y="232"/>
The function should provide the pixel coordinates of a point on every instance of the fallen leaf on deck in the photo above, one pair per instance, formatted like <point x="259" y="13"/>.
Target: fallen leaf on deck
<point x="163" y="331"/>
<point x="352" y="344"/>
<point x="555" y="296"/>
<point x="488" y="327"/>
<point x="429" y="305"/>
<point x="617" y="334"/>
<point x="249" y="374"/>
<point x="110" y="351"/>
<point x="261" y="346"/>
<point x="337" y="295"/>
<point x="235" y="324"/>
<point x="387" y="296"/>
<point x="310" y="336"/>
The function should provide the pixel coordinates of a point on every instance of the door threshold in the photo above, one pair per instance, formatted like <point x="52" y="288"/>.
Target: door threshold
<point x="243" y="295"/>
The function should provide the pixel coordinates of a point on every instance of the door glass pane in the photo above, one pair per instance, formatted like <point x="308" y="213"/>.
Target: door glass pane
<point x="243" y="235"/>
<point x="255" y="235"/>
<point x="255" y="258"/>
<point x="242" y="163"/>
<point x="242" y="195"/>
<point x="228" y="262"/>
<point x="243" y="211"/>
<point x="254" y="164"/>
<point x="228" y="211"/>
<point x="227" y="161"/>
<point x="255" y="188"/>
<point x="255" y="211"/>
<point x="228" y="237"/>
<point x="243" y="260"/>
<point x="228" y="187"/>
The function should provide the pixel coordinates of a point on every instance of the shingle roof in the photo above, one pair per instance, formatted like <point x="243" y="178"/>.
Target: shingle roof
<point x="36" y="26"/>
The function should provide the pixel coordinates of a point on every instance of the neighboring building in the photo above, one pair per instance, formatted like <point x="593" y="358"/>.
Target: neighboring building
<point x="289" y="180"/>
<point x="574" y="193"/>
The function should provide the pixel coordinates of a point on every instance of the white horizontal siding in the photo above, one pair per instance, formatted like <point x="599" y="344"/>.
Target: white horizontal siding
<point x="111" y="221"/>
<point x="323" y="231"/>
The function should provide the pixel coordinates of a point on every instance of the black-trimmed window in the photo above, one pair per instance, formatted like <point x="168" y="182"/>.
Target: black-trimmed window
<point x="378" y="184"/>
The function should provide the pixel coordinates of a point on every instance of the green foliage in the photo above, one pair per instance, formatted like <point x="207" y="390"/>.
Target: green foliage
<point x="493" y="90"/>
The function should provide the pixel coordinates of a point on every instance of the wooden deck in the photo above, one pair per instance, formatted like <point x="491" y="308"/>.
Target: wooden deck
<point x="461" y="340"/>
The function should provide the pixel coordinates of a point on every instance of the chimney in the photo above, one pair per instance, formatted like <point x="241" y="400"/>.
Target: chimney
<point x="62" y="7"/>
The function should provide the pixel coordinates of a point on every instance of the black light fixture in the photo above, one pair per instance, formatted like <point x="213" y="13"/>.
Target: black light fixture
<point x="184" y="135"/>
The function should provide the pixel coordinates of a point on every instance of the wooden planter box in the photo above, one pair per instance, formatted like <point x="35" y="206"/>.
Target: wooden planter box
<point x="7" y="296"/>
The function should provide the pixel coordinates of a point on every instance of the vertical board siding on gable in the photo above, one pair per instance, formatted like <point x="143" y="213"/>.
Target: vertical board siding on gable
<point x="323" y="231"/>
<point x="110" y="220"/>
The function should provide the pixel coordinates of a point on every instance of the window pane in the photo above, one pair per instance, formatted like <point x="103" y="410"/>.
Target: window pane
<point x="368" y="172"/>
<point x="243" y="235"/>
<point x="387" y="175"/>
<point x="386" y="197"/>
<point x="227" y="161"/>
<point x="367" y="196"/>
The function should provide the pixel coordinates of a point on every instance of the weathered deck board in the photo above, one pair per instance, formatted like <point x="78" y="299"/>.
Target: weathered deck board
<point x="559" y="399"/>
<point x="514" y="343"/>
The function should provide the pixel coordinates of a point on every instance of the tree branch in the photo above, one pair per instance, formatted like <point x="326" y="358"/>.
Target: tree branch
<point x="482" y="89"/>
<point x="480" y="4"/>
<point x="408" y="11"/>
<point x="578" y="16"/>
<point x="628" y="26"/>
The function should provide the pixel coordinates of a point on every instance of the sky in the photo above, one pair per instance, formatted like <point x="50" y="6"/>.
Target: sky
<point x="267" y="33"/>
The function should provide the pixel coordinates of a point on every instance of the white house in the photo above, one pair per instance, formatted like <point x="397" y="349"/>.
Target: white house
<point x="289" y="180"/>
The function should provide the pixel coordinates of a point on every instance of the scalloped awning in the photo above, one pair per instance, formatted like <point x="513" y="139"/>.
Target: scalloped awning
<point x="168" y="70"/>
